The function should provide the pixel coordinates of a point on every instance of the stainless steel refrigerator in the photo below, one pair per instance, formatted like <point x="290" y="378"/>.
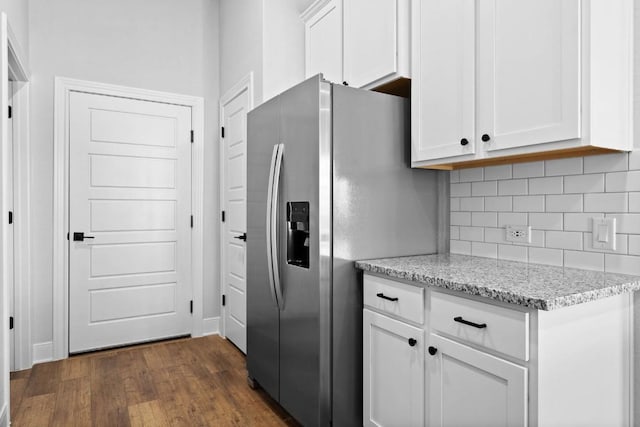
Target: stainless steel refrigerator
<point x="328" y="183"/>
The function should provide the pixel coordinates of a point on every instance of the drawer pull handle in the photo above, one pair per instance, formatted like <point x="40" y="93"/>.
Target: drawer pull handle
<point x="412" y="342"/>
<point x="383" y="296"/>
<point x="459" y="319"/>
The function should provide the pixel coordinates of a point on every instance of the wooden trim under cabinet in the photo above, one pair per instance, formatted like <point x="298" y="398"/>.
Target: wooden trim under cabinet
<point x="523" y="158"/>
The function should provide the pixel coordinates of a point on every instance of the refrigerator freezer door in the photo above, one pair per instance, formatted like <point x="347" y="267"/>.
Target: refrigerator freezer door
<point x="262" y="312"/>
<point x="305" y="315"/>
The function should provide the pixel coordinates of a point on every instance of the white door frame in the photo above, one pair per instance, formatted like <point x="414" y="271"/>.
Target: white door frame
<point x="245" y="84"/>
<point x="63" y="89"/>
<point x="18" y="71"/>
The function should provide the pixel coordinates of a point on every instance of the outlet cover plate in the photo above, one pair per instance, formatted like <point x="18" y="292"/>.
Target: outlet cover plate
<point x="518" y="233"/>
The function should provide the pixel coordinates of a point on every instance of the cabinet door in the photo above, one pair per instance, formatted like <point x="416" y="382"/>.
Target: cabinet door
<point x="470" y="388"/>
<point x="393" y="372"/>
<point x="371" y="39"/>
<point x="323" y="42"/>
<point x="443" y="85"/>
<point x="528" y="72"/>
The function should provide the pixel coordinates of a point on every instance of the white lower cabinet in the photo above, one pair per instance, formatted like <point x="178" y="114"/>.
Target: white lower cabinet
<point x="393" y="372"/>
<point x="470" y="361"/>
<point x="468" y="387"/>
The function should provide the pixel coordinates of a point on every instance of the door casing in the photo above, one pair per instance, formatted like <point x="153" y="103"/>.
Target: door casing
<point x="63" y="88"/>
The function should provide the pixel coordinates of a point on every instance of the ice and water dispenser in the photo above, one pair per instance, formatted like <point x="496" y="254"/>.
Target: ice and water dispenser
<point x="298" y="234"/>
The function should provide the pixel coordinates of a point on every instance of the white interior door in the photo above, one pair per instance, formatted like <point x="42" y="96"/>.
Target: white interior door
<point x="10" y="244"/>
<point x="234" y="187"/>
<point x="130" y="193"/>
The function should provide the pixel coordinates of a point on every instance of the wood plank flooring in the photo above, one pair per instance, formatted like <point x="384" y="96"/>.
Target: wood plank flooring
<point x="186" y="382"/>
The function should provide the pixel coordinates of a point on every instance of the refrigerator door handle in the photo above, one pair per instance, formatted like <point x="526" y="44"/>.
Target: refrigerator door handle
<point x="274" y="227"/>
<point x="270" y="213"/>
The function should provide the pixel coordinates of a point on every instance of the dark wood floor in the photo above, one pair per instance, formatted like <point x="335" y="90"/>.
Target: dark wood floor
<point x="188" y="382"/>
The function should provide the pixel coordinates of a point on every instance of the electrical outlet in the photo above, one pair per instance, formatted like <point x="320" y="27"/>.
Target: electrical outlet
<point x="519" y="233"/>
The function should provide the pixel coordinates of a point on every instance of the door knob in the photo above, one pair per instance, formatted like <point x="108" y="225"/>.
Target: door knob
<point x="464" y="141"/>
<point x="486" y="138"/>
<point x="432" y="350"/>
<point x="412" y="342"/>
<point x="243" y="236"/>
<point x="80" y="236"/>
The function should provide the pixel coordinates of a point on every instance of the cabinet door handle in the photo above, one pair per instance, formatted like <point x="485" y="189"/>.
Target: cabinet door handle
<point x="412" y="342"/>
<point x="464" y="141"/>
<point x="432" y="350"/>
<point x="486" y="138"/>
<point x="383" y="296"/>
<point x="459" y="319"/>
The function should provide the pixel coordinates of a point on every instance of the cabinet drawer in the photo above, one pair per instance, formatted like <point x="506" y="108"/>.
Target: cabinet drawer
<point x="493" y="327"/>
<point x="399" y="299"/>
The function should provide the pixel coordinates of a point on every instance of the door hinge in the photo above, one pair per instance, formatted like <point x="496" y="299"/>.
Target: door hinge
<point x="191" y="306"/>
<point x="223" y="216"/>
<point x="11" y="322"/>
<point x="224" y="300"/>
<point x="191" y="221"/>
<point x="67" y="236"/>
<point x="222" y="131"/>
<point x="10" y="111"/>
<point x="192" y="137"/>
<point x="10" y="217"/>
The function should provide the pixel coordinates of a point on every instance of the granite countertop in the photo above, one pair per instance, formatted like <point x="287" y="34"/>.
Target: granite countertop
<point x="530" y="285"/>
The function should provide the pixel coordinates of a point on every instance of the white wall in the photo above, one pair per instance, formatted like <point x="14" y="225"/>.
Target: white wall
<point x="164" y="45"/>
<point x="18" y="16"/>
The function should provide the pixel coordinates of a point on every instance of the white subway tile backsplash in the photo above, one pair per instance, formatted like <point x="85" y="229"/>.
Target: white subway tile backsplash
<point x="564" y="240"/>
<point x="546" y="221"/>
<point x="486" y="250"/>
<point x="606" y="163"/>
<point x="484" y="219"/>
<point x="634" y="202"/>
<point x="552" y="185"/>
<point x="454" y="232"/>
<point x="487" y="188"/>
<point x="606" y="202"/>
<point x="564" y="203"/>
<point x="461" y="190"/>
<point x="469" y="175"/>
<point x="584" y="260"/>
<point x="558" y="199"/>
<point x="498" y="204"/>
<point x="495" y="235"/>
<point x="626" y="223"/>
<point x="528" y="203"/>
<point x="580" y="221"/>
<point x="497" y="172"/>
<point x="471" y="204"/>
<point x="622" y="241"/>
<point x="624" y="264"/>
<point x="623" y="181"/>
<point x="546" y="256"/>
<point x="512" y="187"/>
<point x="634" y="245"/>
<point x="460" y="218"/>
<point x="513" y="253"/>
<point x="584" y="183"/>
<point x="460" y="247"/>
<point x="570" y="166"/>
<point x="511" y="218"/>
<point x="528" y="170"/>
<point x="475" y="234"/>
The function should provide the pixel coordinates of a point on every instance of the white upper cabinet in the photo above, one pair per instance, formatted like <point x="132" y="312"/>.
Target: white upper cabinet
<point x="323" y="40"/>
<point x="502" y="78"/>
<point x="373" y="41"/>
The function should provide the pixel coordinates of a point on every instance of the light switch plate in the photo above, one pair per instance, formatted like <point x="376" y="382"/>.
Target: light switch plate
<point x="604" y="233"/>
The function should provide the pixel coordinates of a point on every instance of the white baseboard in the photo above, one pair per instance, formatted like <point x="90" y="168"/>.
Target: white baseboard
<point x="4" y="420"/>
<point x="211" y="326"/>
<point x="42" y="352"/>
